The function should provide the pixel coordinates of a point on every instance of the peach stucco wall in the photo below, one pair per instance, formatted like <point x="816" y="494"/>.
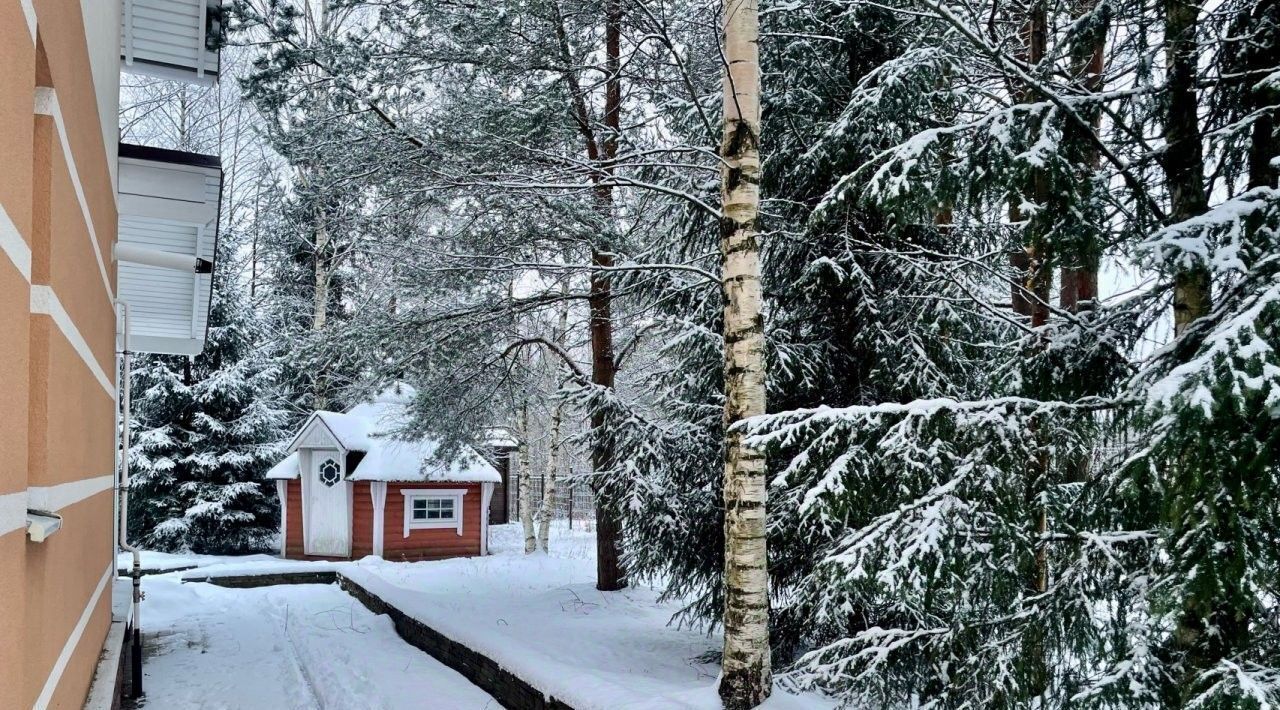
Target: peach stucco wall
<point x="57" y="444"/>
<point x="17" y="87"/>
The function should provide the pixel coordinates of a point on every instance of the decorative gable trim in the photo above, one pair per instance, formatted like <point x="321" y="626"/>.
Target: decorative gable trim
<point x="315" y="434"/>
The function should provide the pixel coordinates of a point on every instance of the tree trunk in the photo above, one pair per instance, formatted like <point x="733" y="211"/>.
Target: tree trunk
<point x="526" y="482"/>
<point x="1035" y="290"/>
<point x="1080" y="274"/>
<point x="1263" y="148"/>
<point x="1261" y="27"/>
<point x="610" y="573"/>
<point x="1206" y="623"/>
<point x="548" y="507"/>
<point x="320" y="303"/>
<point x="746" y="678"/>
<point x="1184" y="157"/>
<point x="257" y="230"/>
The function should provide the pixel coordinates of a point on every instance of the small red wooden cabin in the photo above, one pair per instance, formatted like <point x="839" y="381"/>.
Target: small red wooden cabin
<point x="349" y="489"/>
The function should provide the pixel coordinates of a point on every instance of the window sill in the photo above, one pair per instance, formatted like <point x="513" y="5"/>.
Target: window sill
<point x="41" y="524"/>
<point x="435" y="524"/>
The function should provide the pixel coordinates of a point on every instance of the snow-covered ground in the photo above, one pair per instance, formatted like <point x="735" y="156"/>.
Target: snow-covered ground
<point x="290" y="646"/>
<point x="542" y="618"/>
<point x="159" y="561"/>
<point x="538" y="615"/>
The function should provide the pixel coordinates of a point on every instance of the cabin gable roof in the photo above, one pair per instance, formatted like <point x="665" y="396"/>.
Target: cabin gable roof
<point x="316" y="434"/>
<point x="373" y="452"/>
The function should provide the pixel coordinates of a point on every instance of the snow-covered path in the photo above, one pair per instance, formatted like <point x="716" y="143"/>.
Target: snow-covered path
<point x="289" y="646"/>
<point x="540" y="617"/>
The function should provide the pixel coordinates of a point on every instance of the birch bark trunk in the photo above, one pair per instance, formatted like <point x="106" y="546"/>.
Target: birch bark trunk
<point x="526" y="483"/>
<point x="548" y="507"/>
<point x="746" y="678"/>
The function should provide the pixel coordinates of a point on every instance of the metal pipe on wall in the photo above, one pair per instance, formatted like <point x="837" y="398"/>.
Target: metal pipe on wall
<point x="123" y="523"/>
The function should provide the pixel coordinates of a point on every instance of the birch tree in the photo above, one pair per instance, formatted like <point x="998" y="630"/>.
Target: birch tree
<point x="746" y="679"/>
<point x="555" y="444"/>
<point x="525" y="475"/>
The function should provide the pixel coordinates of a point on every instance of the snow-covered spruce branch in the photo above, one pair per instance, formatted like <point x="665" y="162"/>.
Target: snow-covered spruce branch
<point x="510" y="263"/>
<point x="770" y="429"/>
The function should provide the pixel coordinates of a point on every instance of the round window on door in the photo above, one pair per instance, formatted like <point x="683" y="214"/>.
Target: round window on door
<point x="330" y="473"/>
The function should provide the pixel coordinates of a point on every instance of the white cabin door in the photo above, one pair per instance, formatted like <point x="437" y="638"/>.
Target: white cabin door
<point x="328" y="521"/>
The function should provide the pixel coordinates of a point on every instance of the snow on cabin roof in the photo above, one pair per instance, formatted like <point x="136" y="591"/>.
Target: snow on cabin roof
<point x="287" y="468"/>
<point x="352" y="432"/>
<point x="367" y="428"/>
<point x="393" y="459"/>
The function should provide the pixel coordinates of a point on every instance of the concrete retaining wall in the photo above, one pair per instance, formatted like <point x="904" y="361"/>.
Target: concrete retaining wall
<point x="506" y="687"/>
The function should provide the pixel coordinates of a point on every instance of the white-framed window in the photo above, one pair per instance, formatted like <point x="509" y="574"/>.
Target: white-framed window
<point x="426" y="508"/>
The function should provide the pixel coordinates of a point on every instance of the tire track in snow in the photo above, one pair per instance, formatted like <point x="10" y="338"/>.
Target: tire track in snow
<point x="282" y="615"/>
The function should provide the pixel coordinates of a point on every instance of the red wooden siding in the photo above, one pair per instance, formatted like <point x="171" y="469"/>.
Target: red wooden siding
<point x="362" y="521"/>
<point x="429" y="544"/>
<point x="433" y="543"/>
<point x="293" y="536"/>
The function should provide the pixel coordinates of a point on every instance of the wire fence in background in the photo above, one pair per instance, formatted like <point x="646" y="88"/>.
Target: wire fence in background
<point x="575" y="502"/>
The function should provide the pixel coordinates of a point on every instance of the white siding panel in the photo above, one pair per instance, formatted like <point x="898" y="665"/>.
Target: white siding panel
<point x="166" y="32"/>
<point x="178" y="183"/>
<point x="167" y="205"/>
<point x="160" y="300"/>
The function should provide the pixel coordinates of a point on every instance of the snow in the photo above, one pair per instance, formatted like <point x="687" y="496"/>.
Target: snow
<point x="163" y="561"/>
<point x="396" y="459"/>
<point x="502" y="438"/>
<point x="352" y="432"/>
<point x="287" y="468"/>
<point x="367" y="428"/>
<point x="1187" y="241"/>
<point x="294" y="646"/>
<point x="541" y="617"/>
<point x="238" y="568"/>
<point x="219" y="565"/>
<point x="538" y="615"/>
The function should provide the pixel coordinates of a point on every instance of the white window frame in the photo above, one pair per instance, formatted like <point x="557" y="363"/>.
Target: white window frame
<point x="412" y="494"/>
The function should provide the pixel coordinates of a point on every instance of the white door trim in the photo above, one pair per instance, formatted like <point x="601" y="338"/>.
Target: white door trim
<point x="282" y="492"/>
<point x="486" y="496"/>
<point x="378" y="492"/>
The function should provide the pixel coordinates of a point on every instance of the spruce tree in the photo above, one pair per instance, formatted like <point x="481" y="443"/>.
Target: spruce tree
<point x="206" y="429"/>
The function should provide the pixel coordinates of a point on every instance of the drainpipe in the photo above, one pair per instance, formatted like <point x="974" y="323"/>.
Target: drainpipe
<point x="125" y="417"/>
